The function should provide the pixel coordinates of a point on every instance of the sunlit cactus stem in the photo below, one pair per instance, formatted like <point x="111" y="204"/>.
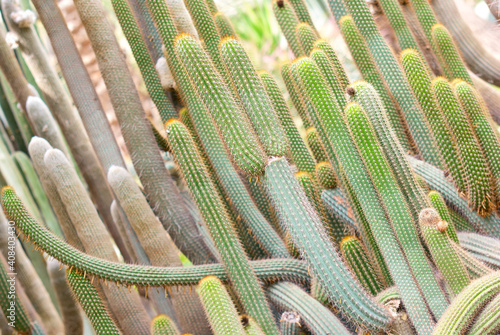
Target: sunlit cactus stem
<point x="163" y="325"/>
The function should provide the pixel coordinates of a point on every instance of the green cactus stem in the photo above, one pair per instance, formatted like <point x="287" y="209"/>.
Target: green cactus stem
<point x="295" y="95"/>
<point x="366" y="65"/>
<point x="224" y="26"/>
<point x="475" y="168"/>
<point x="219" y="225"/>
<point x="314" y="142"/>
<point x="484" y="129"/>
<point x="254" y="98"/>
<point x="70" y="310"/>
<point x="300" y="8"/>
<point x="306" y="36"/>
<point x="337" y="203"/>
<point x="488" y="321"/>
<point x="298" y="216"/>
<point x="437" y="181"/>
<point x="484" y="248"/>
<point x="288" y="20"/>
<point x="366" y="95"/>
<point x="220" y="310"/>
<point x="128" y="274"/>
<point x="434" y="231"/>
<point x="447" y="51"/>
<point x="163" y="325"/>
<point x="313" y="315"/>
<point x="325" y="175"/>
<point x="90" y="300"/>
<point x="459" y="315"/>
<point x="395" y="80"/>
<point x="230" y="119"/>
<point x="9" y="295"/>
<point x="358" y="261"/>
<point x="439" y="205"/>
<point x="332" y="57"/>
<point x="395" y="204"/>
<point x="328" y="71"/>
<point x="298" y="150"/>
<point x="475" y="267"/>
<point x="419" y="79"/>
<point x="133" y="35"/>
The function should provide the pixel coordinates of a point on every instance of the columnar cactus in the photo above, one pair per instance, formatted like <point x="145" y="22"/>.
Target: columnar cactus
<point x="285" y="223"/>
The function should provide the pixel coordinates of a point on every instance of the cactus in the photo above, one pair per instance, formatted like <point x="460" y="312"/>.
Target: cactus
<point x="242" y="144"/>
<point x="91" y="302"/>
<point x="219" y="225"/>
<point x="434" y="231"/>
<point x="309" y="214"/>
<point x="467" y="304"/>
<point x="366" y="65"/>
<point x="254" y="98"/>
<point x="298" y="151"/>
<point x="313" y="315"/>
<point x="163" y="325"/>
<point x="475" y="167"/>
<point x="326" y="175"/>
<point x="356" y="258"/>
<point x="483" y="127"/>
<point x="221" y="312"/>
<point x="487" y="322"/>
<point x="439" y="205"/>
<point x="293" y="204"/>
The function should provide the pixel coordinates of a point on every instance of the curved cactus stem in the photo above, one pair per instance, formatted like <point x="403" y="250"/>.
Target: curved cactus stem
<point x="316" y="317"/>
<point x="488" y="321"/>
<point x="366" y="65"/>
<point x="92" y="303"/>
<point x="475" y="168"/>
<point x="128" y="274"/>
<point x="232" y="122"/>
<point x="163" y="325"/>
<point x="220" y="310"/>
<point x="254" y="97"/>
<point x="484" y="248"/>
<point x="296" y="213"/>
<point x="298" y="150"/>
<point x="446" y="259"/>
<point x="467" y="304"/>
<point x="219" y="225"/>
<point x="358" y="261"/>
<point x="475" y="267"/>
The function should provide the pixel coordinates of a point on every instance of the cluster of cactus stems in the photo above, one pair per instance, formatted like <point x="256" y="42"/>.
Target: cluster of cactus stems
<point x="371" y="207"/>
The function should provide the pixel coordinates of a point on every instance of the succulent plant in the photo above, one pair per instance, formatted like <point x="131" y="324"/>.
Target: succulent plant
<point x="370" y="208"/>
